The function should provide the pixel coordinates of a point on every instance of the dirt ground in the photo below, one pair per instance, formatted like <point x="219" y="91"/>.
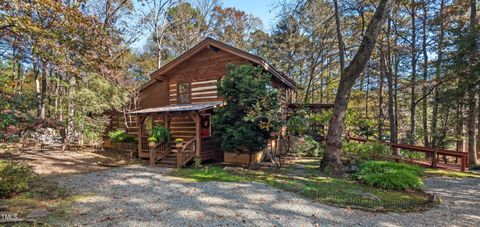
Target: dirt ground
<point x="58" y="163"/>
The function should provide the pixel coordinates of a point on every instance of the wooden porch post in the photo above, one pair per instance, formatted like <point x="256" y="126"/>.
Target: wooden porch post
<point x="198" y="140"/>
<point x="166" y="120"/>
<point x="140" y="118"/>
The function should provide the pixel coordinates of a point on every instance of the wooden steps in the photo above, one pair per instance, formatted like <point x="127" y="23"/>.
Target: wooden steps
<point x="170" y="160"/>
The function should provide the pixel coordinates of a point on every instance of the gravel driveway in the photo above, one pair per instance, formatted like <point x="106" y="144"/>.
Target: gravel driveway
<point x="144" y="196"/>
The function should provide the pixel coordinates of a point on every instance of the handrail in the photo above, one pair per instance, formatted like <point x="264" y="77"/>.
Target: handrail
<point x="417" y="148"/>
<point x="427" y="150"/>
<point x="184" y="155"/>
<point x="158" y="152"/>
<point x="188" y="143"/>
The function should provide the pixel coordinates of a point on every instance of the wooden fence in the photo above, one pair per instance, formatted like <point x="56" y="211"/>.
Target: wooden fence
<point x="433" y="153"/>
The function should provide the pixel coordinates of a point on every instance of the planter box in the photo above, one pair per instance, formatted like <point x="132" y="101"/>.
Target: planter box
<point x="242" y="158"/>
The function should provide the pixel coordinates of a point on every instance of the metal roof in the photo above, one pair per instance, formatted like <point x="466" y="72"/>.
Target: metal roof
<point x="179" y="108"/>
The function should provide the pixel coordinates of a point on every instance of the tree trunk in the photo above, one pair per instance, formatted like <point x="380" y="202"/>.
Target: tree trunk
<point x="341" y="48"/>
<point x="459" y="127"/>
<point x="414" y="74"/>
<point x="71" y="113"/>
<point x="438" y="77"/>
<point x="391" y="114"/>
<point x="395" y="97"/>
<point x="383" y="71"/>
<point x="471" y="127"/>
<point x="331" y="159"/>
<point x="57" y="94"/>
<point x="37" y="89"/>
<point x="425" y="75"/>
<point x="44" y="93"/>
<point x="472" y="101"/>
<point x="19" y="78"/>
<point x="366" y="95"/>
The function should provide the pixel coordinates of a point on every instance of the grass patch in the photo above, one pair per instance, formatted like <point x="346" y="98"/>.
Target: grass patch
<point x="213" y="173"/>
<point x="445" y="173"/>
<point x="311" y="183"/>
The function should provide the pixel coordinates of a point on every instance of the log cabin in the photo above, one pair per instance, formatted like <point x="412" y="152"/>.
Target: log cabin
<point x="182" y="95"/>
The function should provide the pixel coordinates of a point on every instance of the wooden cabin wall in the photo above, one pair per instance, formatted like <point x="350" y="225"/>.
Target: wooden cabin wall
<point x="182" y="126"/>
<point x="203" y="71"/>
<point x="154" y="95"/>
<point x="118" y="121"/>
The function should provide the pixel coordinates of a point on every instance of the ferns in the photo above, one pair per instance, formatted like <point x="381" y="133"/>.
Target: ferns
<point x="390" y="175"/>
<point x="161" y="134"/>
<point x="120" y="136"/>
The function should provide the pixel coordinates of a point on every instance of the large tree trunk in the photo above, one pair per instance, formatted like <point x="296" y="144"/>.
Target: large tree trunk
<point x="472" y="101"/>
<point x="471" y="127"/>
<point x="413" y="50"/>
<point x="331" y="160"/>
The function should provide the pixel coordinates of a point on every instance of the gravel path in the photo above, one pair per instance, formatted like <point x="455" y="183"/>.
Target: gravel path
<point x="144" y="196"/>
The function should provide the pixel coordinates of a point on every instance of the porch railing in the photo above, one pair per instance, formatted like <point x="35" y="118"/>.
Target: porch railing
<point x="209" y="145"/>
<point x="434" y="154"/>
<point x="186" y="153"/>
<point x="158" y="152"/>
<point x="144" y="144"/>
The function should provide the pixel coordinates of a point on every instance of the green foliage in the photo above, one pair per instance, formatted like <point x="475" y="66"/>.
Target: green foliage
<point x="14" y="177"/>
<point x="96" y="95"/>
<point x="365" y="151"/>
<point x="161" y="134"/>
<point x="197" y="162"/>
<point x="120" y="136"/>
<point x="297" y="123"/>
<point x="179" y="140"/>
<point x="252" y="112"/>
<point x="412" y="154"/>
<point x="322" y="118"/>
<point x="306" y="145"/>
<point x="390" y="175"/>
<point x="152" y="139"/>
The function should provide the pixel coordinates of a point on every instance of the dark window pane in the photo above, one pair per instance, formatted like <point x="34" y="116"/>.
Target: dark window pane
<point x="184" y="98"/>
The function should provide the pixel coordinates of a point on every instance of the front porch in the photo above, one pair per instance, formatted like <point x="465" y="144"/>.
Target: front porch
<point x="191" y="122"/>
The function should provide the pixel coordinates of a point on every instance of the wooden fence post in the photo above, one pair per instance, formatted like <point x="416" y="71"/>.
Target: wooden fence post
<point x="464" y="163"/>
<point x="434" y="158"/>
<point x="395" y="153"/>
<point x="152" y="156"/>
<point x="179" y="158"/>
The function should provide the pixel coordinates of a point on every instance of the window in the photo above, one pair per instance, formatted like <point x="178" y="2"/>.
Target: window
<point x="183" y="93"/>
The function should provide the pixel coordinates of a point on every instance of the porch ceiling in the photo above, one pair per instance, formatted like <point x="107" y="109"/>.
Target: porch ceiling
<point x="179" y="108"/>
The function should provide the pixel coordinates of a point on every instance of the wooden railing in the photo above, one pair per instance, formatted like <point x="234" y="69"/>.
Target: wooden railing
<point x="158" y="152"/>
<point x="209" y="145"/>
<point x="434" y="153"/>
<point x="209" y="149"/>
<point x="186" y="153"/>
<point x="145" y="144"/>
